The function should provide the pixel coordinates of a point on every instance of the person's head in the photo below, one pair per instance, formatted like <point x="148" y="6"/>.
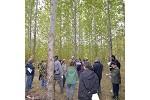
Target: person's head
<point x="56" y="57"/>
<point x="112" y="57"/>
<point x="63" y="61"/>
<point x="79" y="59"/>
<point x="72" y="63"/>
<point x="97" y="60"/>
<point x="30" y="60"/>
<point x="113" y="64"/>
<point x="85" y="59"/>
<point x="87" y="65"/>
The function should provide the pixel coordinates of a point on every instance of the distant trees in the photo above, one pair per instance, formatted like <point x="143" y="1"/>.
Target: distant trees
<point x="82" y="30"/>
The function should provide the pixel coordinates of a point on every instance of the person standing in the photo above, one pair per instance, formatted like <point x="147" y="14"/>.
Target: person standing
<point x="63" y="64"/>
<point x="58" y="74"/>
<point x="98" y="68"/>
<point x="79" y="65"/>
<point x="88" y="83"/>
<point x="72" y="78"/>
<point x="40" y="67"/>
<point x="29" y="73"/>
<point x="116" y="79"/>
<point x="113" y="59"/>
<point x="44" y="74"/>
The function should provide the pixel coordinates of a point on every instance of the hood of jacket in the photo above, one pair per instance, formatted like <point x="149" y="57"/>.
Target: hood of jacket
<point x="88" y="79"/>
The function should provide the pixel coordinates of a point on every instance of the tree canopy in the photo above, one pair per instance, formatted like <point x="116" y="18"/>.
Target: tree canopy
<point x="91" y="29"/>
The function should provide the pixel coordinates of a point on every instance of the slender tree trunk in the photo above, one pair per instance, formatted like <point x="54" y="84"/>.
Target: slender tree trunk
<point x="123" y="8"/>
<point x="29" y="35"/>
<point x="75" y="1"/>
<point x="51" y="52"/>
<point x="109" y="29"/>
<point x="94" y="30"/>
<point x="101" y="48"/>
<point x="35" y="29"/>
<point x="116" y="43"/>
<point x="60" y="42"/>
<point x="30" y="29"/>
<point x="79" y="38"/>
<point x="91" y="47"/>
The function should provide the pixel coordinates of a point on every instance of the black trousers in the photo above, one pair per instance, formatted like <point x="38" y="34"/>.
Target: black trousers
<point x="64" y="80"/>
<point x="116" y="89"/>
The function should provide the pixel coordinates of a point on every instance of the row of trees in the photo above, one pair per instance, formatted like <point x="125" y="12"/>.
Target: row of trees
<point x="83" y="28"/>
<point x="89" y="23"/>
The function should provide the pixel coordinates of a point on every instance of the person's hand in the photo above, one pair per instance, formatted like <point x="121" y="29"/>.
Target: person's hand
<point x="110" y="77"/>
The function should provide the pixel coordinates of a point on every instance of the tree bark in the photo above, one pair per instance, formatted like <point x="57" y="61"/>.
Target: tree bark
<point x="79" y="39"/>
<point x="60" y="38"/>
<point x="35" y="29"/>
<point x="109" y="29"/>
<point x="123" y="8"/>
<point x="51" y="52"/>
<point x="30" y="29"/>
<point x="75" y="28"/>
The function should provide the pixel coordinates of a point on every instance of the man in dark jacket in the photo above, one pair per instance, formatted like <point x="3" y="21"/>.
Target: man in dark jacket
<point x="113" y="59"/>
<point x="88" y="83"/>
<point x="98" y="67"/>
<point x="29" y="73"/>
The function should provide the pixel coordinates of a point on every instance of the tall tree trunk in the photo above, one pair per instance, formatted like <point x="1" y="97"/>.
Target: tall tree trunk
<point x="75" y="1"/>
<point x="35" y="29"/>
<point x="29" y="36"/>
<point x="94" y="30"/>
<point x="30" y="29"/>
<point x="123" y="8"/>
<point x="60" y="38"/>
<point x="51" y="52"/>
<point x="79" y="39"/>
<point x="109" y="29"/>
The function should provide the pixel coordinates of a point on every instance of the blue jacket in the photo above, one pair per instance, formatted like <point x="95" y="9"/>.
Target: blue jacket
<point x="29" y="69"/>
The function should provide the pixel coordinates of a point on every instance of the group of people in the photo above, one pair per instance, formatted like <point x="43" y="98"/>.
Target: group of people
<point x="87" y="75"/>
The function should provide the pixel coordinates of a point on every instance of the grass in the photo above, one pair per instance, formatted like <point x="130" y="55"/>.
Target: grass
<point x="37" y="93"/>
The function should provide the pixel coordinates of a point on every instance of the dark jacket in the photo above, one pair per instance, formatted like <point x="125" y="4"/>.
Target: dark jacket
<point x="29" y="69"/>
<point x="115" y="75"/>
<point x="98" y="68"/>
<point x="88" y="85"/>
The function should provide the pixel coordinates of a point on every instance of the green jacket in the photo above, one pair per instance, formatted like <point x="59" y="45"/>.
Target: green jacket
<point x="115" y="76"/>
<point x="71" y="75"/>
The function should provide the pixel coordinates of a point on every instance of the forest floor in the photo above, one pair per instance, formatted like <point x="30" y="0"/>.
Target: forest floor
<point x="37" y="93"/>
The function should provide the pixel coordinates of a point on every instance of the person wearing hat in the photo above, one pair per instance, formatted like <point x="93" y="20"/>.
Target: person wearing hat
<point x="98" y="68"/>
<point x="29" y="73"/>
<point x="116" y="79"/>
